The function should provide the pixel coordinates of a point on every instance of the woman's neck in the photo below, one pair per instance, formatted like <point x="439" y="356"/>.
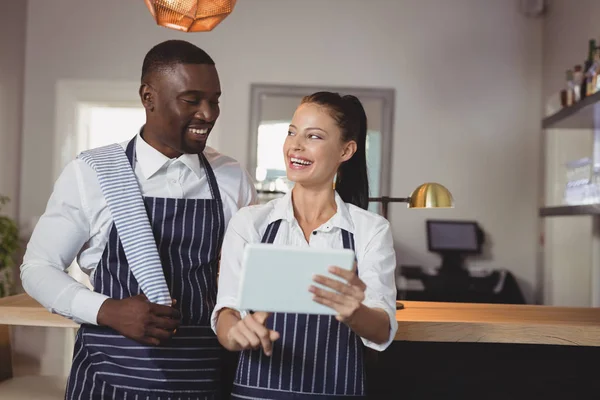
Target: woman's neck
<point x="313" y="207"/>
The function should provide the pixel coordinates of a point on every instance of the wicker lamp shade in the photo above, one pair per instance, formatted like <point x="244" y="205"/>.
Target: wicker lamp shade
<point x="190" y="15"/>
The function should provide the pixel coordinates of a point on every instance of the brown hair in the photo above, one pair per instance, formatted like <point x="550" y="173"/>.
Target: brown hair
<point x="352" y="183"/>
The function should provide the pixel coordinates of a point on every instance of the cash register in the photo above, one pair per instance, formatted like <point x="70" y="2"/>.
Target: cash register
<point x="454" y="241"/>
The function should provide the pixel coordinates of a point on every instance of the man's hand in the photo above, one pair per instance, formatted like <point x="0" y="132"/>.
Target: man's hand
<point x="138" y="319"/>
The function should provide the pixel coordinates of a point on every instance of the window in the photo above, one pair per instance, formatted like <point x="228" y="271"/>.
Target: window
<point x="270" y="168"/>
<point x="100" y="125"/>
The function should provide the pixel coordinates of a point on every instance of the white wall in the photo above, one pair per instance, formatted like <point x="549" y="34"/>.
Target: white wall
<point x="466" y="72"/>
<point x="12" y="69"/>
<point x="13" y="19"/>
<point x="568" y="252"/>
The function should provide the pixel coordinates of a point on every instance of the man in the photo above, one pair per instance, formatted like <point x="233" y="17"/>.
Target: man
<point x="146" y="220"/>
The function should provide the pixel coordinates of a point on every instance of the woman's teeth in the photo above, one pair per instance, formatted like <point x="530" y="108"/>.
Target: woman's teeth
<point x="298" y="161"/>
<point x="198" y="131"/>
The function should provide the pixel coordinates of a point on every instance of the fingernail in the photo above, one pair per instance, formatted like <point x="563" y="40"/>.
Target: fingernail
<point x="311" y="289"/>
<point x="331" y="269"/>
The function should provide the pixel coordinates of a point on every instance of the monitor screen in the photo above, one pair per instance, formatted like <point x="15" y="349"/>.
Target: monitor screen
<point x="453" y="236"/>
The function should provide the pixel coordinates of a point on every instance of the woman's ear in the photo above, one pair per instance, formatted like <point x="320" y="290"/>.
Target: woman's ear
<point x="147" y="96"/>
<point x="349" y="150"/>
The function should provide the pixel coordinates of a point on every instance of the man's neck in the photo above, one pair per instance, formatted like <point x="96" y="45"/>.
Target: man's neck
<point x="147" y="135"/>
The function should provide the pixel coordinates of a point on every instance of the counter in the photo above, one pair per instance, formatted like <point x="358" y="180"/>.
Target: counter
<point x="420" y="322"/>
<point x="447" y="350"/>
<point x="498" y="323"/>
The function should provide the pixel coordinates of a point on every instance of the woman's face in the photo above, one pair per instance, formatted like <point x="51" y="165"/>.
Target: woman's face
<point x="313" y="149"/>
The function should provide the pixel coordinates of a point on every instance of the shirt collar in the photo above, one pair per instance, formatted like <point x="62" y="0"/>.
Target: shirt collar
<point x="151" y="160"/>
<point x="284" y="209"/>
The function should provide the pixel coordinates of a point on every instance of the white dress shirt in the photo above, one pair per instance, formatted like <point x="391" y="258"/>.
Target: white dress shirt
<point x="374" y="249"/>
<point x="77" y="221"/>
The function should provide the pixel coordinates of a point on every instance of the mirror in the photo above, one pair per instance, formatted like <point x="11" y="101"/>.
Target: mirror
<point x="272" y="108"/>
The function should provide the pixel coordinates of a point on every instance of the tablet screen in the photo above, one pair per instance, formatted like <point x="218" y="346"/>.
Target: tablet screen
<point x="277" y="278"/>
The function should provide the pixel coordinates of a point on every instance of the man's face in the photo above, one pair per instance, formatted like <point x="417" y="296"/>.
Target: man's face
<point x="182" y="106"/>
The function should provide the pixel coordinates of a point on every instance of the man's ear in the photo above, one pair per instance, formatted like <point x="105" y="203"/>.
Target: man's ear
<point x="349" y="150"/>
<point x="147" y="95"/>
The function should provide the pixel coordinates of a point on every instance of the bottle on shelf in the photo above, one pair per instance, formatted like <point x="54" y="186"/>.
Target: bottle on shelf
<point x="596" y="71"/>
<point x="582" y="80"/>
<point x="570" y="90"/>
<point x="588" y="70"/>
<point x="577" y="83"/>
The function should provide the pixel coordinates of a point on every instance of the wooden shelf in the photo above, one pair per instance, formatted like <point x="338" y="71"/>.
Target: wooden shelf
<point x="565" y="211"/>
<point x="578" y="116"/>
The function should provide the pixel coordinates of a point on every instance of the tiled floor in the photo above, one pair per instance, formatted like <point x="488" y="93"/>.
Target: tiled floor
<point x="33" y="388"/>
<point x="36" y="377"/>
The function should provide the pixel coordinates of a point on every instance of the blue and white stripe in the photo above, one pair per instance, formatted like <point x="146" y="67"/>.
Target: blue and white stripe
<point x="124" y="199"/>
<point x="315" y="357"/>
<point x="107" y="365"/>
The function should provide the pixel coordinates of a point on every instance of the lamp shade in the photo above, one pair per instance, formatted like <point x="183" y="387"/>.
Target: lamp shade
<point x="190" y="15"/>
<point x="431" y="195"/>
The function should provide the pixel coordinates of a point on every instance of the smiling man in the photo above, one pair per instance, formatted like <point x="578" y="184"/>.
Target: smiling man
<point x="145" y="219"/>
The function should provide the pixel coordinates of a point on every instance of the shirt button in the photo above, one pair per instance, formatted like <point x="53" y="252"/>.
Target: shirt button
<point x="173" y="181"/>
<point x="314" y="232"/>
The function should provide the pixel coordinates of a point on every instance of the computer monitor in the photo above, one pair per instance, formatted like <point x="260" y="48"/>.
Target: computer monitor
<point x="454" y="237"/>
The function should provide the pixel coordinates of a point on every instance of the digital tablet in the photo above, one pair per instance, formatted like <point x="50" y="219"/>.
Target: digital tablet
<point x="277" y="278"/>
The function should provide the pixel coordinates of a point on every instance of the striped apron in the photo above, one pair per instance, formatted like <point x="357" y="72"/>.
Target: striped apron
<point x="315" y="357"/>
<point x="187" y="236"/>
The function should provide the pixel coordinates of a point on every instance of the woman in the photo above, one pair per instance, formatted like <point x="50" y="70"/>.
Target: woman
<point x="285" y="356"/>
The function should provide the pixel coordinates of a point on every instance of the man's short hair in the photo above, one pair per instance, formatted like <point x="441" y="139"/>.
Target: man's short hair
<point x="167" y="54"/>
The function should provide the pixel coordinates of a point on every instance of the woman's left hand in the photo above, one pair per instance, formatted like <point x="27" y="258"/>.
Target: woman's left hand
<point x="346" y="298"/>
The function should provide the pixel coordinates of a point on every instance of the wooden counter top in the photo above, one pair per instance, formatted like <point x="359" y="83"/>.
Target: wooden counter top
<point x="420" y="321"/>
<point x="498" y="323"/>
<point x="25" y="311"/>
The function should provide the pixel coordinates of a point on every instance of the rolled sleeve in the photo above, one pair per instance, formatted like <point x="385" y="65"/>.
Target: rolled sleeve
<point x="376" y="268"/>
<point x="86" y="305"/>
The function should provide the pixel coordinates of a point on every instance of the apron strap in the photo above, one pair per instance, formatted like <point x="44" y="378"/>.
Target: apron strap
<point x="271" y="232"/>
<point x="348" y="240"/>
<point x="124" y="199"/>
<point x="210" y="176"/>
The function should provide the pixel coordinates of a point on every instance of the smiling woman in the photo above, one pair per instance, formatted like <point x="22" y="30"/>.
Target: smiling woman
<point x="314" y="356"/>
<point x="333" y="130"/>
<point x="272" y="107"/>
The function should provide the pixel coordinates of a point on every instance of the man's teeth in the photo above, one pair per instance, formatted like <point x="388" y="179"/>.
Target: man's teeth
<point x="199" y="131"/>
<point x="301" y="162"/>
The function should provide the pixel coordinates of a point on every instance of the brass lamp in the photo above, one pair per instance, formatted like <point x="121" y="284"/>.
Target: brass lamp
<point x="427" y="195"/>
<point x="190" y="15"/>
